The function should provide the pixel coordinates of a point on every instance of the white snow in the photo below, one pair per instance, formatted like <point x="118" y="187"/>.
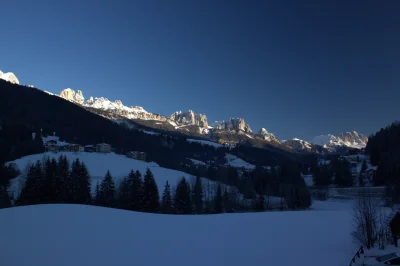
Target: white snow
<point x="206" y="142"/>
<point x="237" y="162"/>
<point x="10" y="77"/>
<point x="330" y="140"/>
<point x="150" y="132"/>
<point x="309" y="180"/>
<point x="78" y="235"/>
<point x="197" y="162"/>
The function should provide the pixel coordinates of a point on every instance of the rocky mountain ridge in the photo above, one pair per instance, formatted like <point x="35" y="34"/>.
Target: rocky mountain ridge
<point x="182" y="120"/>
<point x="228" y="131"/>
<point x="349" y="139"/>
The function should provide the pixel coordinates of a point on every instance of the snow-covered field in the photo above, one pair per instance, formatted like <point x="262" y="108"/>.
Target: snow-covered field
<point x="78" y="235"/>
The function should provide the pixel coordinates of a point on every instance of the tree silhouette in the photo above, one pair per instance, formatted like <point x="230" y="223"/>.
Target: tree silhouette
<point x="166" y="203"/>
<point x="182" y="200"/>
<point x="151" y="196"/>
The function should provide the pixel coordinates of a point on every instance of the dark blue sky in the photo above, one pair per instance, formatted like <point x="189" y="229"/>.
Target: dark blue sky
<point x="297" y="68"/>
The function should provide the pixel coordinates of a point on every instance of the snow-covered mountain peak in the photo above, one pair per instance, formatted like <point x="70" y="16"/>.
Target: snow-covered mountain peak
<point x="267" y="135"/>
<point x="349" y="139"/>
<point x="9" y="76"/>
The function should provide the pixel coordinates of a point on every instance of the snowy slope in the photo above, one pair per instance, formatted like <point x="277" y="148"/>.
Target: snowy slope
<point x="235" y="161"/>
<point x="206" y="142"/>
<point x="98" y="164"/>
<point x="78" y="235"/>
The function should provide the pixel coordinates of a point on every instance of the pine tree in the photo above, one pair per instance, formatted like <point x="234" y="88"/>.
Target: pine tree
<point x="63" y="180"/>
<point x="182" y="200"/>
<point x="151" y="196"/>
<point x="39" y="183"/>
<point x="125" y="193"/>
<point x="7" y="172"/>
<point x="226" y="202"/>
<point x="32" y="191"/>
<point x="136" y="181"/>
<point x="73" y="184"/>
<point x="364" y="166"/>
<point x="49" y="176"/>
<point x="198" y="194"/>
<point x="166" y="205"/>
<point x="84" y="185"/>
<point x="107" y="191"/>
<point x="97" y="196"/>
<point x="218" y="200"/>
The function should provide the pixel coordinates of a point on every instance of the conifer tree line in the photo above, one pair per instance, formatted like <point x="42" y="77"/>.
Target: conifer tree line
<point x="383" y="147"/>
<point x="337" y="172"/>
<point x="56" y="181"/>
<point x="59" y="181"/>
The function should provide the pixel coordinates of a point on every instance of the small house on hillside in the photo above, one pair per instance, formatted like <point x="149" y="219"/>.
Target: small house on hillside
<point x="103" y="148"/>
<point x="89" y="148"/>
<point x="76" y="148"/>
<point x="137" y="155"/>
<point x="51" y="147"/>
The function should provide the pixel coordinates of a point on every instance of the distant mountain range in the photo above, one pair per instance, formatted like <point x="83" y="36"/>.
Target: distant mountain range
<point x="230" y="132"/>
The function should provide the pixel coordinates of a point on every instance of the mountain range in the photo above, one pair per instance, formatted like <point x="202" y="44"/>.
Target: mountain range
<point x="229" y="132"/>
<point x="236" y="126"/>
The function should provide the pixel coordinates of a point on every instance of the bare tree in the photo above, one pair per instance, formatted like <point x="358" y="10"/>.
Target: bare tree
<point x="366" y="219"/>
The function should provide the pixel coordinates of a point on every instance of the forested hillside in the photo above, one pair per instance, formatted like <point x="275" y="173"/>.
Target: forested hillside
<point x="26" y="110"/>
<point x="384" y="150"/>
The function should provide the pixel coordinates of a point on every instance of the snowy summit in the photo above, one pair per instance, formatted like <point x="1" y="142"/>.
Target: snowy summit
<point x="10" y="77"/>
<point x="348" y="139"/>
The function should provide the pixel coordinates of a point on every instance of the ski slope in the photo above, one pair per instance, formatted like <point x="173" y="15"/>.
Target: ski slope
<point x="78" y="235"/>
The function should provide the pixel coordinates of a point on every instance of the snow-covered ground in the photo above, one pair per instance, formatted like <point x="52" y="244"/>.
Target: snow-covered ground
<point x="78" y="235"/>
<point x="197" y="162"/>
<point x="206" y="142"/>
<point x="235" y="161"/>
<point x="150" y="132"/>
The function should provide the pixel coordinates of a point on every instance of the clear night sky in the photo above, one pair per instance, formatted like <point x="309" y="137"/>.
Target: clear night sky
<point x="297" y="68"/>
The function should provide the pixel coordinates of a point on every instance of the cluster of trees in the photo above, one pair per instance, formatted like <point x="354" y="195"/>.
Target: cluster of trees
<point x="336" y="172"/>
<point x="384" y="151"/>
<point x="59" y="181"/>
<point x="54" y="181"/>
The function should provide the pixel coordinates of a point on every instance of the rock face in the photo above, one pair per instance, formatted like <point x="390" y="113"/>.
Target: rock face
<point x="233" y="124"/>
<point x="71" y="95"/>
<point x="115" y="107"/>
<point x="353" y="138"/>
<point x="347" y="139"/>
<point x="189" y="118"/>
<point x="10" y="77"/>
<point x="264" y="134"/>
